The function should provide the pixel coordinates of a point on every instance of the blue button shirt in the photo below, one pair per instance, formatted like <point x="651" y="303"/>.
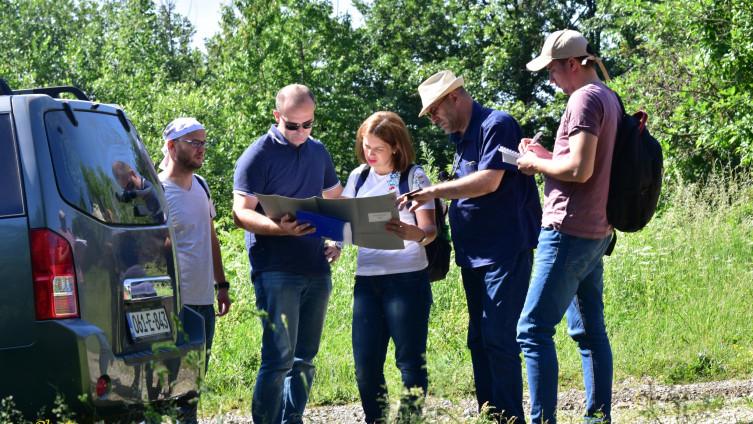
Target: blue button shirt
<point x="273" y="165"/>
<point x="496" y="226"/>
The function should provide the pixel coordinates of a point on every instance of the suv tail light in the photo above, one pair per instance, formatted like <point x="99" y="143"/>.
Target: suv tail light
<point x="54" y="275"/>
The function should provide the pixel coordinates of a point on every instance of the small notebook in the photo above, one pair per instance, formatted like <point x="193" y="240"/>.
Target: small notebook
<point x="509" y="156"/>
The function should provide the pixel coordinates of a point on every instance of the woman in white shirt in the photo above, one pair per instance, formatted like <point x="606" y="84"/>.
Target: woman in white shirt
<point x="392" y="295"/>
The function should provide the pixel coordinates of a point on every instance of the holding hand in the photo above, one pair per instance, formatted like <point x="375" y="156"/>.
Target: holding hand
<point x="414" y="199"/>
<point x="405" y="231"/>
<point x="533" y="145"/>
<point x="526" y="163"/>
<point x="332" y="252"/>
<point x="531" y="151"/>
<point x="291" y="227"/>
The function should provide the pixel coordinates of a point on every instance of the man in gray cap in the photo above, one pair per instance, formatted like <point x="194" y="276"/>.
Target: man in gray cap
<point x="495" y="217"/>
<point x="568" y="271"/>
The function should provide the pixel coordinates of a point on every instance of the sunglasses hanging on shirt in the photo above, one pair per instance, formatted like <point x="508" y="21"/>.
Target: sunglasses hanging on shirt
<point x="444" y="176"/>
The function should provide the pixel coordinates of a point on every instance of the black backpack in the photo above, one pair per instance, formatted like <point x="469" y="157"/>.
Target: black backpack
<point x="438" y="251"/>
<point x="636" y="178"/>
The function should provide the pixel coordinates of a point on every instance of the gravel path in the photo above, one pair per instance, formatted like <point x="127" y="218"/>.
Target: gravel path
<point x="633" y="402"/>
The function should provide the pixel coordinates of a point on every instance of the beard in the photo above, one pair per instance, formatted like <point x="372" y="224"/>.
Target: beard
<point x="186" y="161"/>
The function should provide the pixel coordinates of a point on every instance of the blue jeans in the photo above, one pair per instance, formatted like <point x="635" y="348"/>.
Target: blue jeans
<point x="390" y="306"/>
<point x="294" y="307"/>
<point x="495" y="295"/>
<point x="568" y="278"/>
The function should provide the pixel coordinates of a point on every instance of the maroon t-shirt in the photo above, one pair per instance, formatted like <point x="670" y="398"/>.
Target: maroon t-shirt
<point x="580" y="209"/>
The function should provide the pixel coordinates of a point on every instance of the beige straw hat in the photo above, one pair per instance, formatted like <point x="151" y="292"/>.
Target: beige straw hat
<point x="437" y="86"/>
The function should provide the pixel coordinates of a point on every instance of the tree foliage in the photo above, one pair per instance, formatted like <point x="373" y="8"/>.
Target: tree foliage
<point x="688" y="63"/>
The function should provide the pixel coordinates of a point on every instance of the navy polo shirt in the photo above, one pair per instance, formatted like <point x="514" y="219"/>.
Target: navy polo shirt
<point x="496" y="226"/>
<point x="273" y="165"/>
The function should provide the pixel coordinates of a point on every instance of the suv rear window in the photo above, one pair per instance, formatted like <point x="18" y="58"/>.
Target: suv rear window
<point x="103" y="170"/>
<point x="11" y="202"/>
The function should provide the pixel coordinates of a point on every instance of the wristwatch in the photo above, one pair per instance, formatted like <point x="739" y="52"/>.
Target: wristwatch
<point x="222" y="285"/>
<point x="421" y="240"/>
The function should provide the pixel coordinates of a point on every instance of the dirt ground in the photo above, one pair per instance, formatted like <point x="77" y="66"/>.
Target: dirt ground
<point x="633" y="402"/>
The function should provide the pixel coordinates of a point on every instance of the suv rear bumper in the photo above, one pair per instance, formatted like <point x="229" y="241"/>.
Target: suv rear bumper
<point x="74" y="354"/>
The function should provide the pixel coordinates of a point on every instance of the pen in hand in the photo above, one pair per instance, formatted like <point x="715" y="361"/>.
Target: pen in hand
<point x="409" y="195"/>
<point x="523" y="147"/>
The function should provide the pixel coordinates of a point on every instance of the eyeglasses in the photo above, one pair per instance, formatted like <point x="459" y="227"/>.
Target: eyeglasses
<point x="294" y="126"/>
<point x="196" y="143"/>
<point x="433" y="109"/>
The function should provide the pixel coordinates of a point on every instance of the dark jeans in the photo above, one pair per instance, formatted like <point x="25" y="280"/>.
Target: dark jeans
<point x="294" y="307"/>
<point x="207" y="312"/>
<point x="495" y="295"/>
<point x="187" y="412"/>
<point x="392" y="306"/>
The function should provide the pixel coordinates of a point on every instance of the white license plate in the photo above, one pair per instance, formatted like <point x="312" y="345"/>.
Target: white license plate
<point x="148" y="323"/>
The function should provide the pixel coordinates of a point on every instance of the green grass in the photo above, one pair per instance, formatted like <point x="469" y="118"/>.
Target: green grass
<point x="677" y="297"/>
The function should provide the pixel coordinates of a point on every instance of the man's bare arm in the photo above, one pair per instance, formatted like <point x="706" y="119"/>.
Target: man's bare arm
<point x="474" y="185"/>
<point x="247" y="218"/>
<point x="223" y="299"/>
<point x="578" y="166"/>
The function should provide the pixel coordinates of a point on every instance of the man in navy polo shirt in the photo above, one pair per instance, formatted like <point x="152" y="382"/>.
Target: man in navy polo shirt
<point x="495" y="216"/>
<point x="290" y="273"/>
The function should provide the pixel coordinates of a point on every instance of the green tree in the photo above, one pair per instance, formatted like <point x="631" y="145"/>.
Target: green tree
<point x="689" y="65"/>
<point x="263" y="46"/>
<point x="488" y="43"/>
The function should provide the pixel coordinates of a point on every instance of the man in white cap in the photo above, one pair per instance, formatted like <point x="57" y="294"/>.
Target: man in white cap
<point x="290" y="273"/>
<point x="568" y="271"/>
<point x="495" y="216"/>
<point x="191" y="211"/>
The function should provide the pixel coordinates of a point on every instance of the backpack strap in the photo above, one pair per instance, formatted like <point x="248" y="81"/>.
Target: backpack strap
<point x="361" y="179"/>
<point x="406" y="179"/>
<point x="203" y="184"/>
<point x="619" y="99"/>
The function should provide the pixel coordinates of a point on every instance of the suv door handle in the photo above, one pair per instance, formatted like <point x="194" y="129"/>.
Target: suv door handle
<point x="147" y="288"/>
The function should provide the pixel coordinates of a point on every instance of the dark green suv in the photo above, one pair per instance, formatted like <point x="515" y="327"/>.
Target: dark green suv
<point x="88" y="298"/>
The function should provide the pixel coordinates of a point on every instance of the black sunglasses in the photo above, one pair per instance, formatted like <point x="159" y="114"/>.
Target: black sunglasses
<point x="294" y="126"/>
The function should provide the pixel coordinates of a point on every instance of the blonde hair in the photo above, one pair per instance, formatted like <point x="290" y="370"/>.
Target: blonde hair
<point x="389" y="127"/>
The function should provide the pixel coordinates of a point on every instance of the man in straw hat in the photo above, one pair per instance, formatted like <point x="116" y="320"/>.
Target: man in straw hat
<point x="290" y="273"/>
<point x="202" y="275"/>
<point x="495" y="216"/>
<point x="568" y="271"/>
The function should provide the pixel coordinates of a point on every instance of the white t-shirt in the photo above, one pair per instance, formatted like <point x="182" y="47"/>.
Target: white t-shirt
<point x="190" y="215"/>
<point x="384" y="262"/>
